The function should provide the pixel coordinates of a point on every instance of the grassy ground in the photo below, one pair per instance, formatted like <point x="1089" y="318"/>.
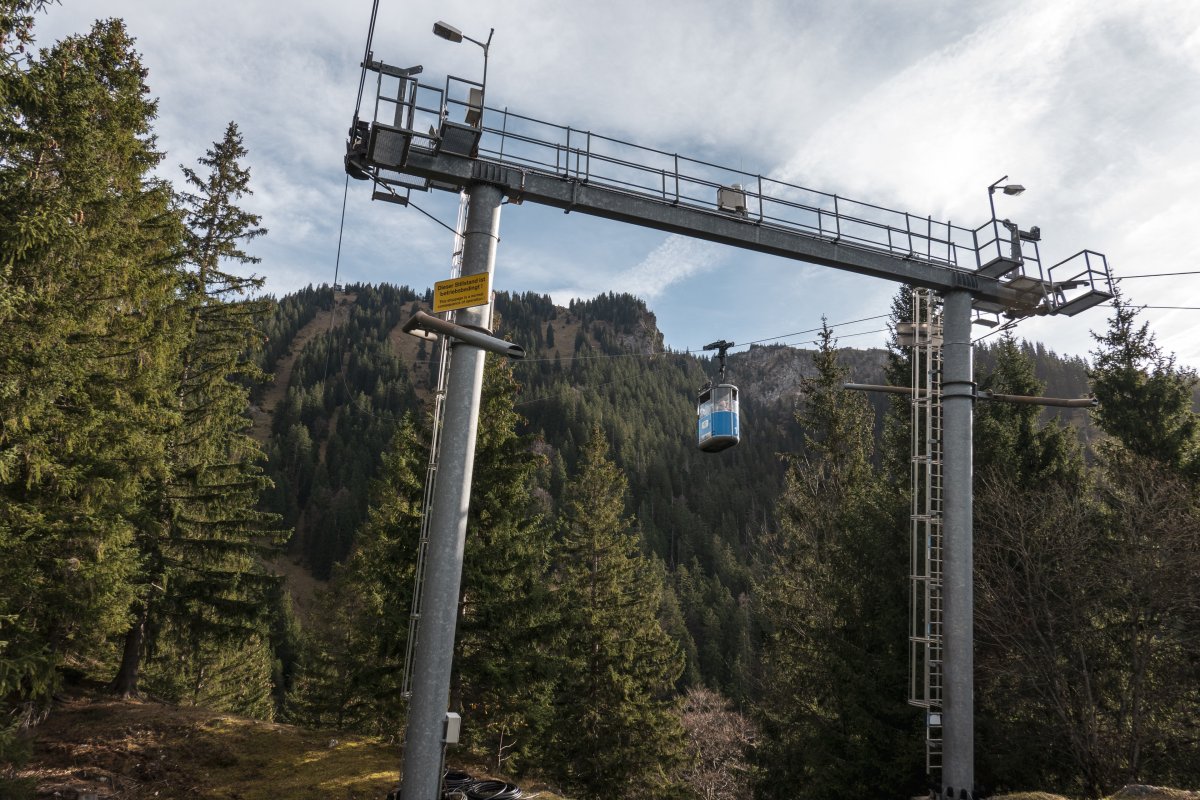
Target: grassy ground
<point x="142" y="750"/>
<point x="123" y="750"/>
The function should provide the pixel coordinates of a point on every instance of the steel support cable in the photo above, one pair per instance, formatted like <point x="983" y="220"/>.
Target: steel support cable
<point x="1156" y="275"/>
<point x="408" y="202"/>
<point x="1008" y="326"/>
<point x="1013" y="323"/>
<point x="411" y="204"/>
<point x="1140" y="307"/>
<point x="634" y="377"/>
<point x="362" y="81"/>
<point x="816" y="330"/>
<point x="701" y="350"/>
<point x="337" y="264"/>
<point x="1172" y="308"/>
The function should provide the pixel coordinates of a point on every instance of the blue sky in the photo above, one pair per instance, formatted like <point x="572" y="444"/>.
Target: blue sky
<point x="917" y="105"/>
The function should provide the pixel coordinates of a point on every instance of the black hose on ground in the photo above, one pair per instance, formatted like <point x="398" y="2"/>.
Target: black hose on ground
<point x="493" y="790"/>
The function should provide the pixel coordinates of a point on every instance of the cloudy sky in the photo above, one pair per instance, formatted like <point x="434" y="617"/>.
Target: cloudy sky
<point x="919" y="105"/>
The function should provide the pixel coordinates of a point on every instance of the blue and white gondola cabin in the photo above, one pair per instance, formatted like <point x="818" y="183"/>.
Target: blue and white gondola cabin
<point x="717" y="410"/>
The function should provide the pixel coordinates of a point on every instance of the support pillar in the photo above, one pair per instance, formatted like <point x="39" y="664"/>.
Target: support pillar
<point x="958" y="397"/>
<point x="434" y="655"/>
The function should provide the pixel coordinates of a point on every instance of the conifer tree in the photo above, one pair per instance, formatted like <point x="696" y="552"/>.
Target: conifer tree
<point x="90" y="332"/>
<point x="1024" y="471"/>
<point x="201" y="564"/>
<point x="1137" y="623"/>
<point x="1145" y="399"/>
<point x="501" y="678"/>
<point x="352" y="671"/>
<point x="833" y="599"/>
<point x="1010" y="440"/>
<point x="616" y="732"/>
<point x="1085" y="580"/>
<point x="503" y="672"/>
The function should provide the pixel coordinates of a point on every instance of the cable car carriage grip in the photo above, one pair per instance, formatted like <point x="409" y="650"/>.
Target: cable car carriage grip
<point x="717" y="409"/>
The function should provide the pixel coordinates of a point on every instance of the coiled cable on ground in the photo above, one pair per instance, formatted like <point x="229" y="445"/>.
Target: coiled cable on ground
<point x="493" y="790"/>
<point x="457" y="784"/>
<point x="455" y="780"/>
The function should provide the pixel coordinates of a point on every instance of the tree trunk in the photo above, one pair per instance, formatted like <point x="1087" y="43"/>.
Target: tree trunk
<point x="125" y="683"/>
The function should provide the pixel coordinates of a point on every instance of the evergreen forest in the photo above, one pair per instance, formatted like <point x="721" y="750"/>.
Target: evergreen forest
<point x="214" y="497"/>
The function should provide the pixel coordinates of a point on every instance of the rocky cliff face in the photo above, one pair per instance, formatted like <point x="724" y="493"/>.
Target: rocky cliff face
<point x="773" y="373"/>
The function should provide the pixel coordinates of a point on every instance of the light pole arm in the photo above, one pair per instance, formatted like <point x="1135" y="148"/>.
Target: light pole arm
<point x="483" y="87"/>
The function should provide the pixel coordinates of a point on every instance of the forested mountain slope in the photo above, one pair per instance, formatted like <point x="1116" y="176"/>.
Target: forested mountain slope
<point x="597" y="362"/>
<point x="621" y="590"/>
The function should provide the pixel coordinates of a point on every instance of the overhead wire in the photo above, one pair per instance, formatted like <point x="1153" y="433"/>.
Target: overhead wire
<point x="816" y="330"/>
<point x="694" y="350"/>
<point x="1008" y="326"/>
<point x="673" y="352"/>
<point x="1173" y="308"/>
<point x="337" y="264"/>
<point x="362" y="81"/>
<point x="1156" y="275"/>
<point x="337" y="261"/>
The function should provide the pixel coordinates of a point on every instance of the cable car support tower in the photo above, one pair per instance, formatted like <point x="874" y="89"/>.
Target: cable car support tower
<point x="411" y="136"/>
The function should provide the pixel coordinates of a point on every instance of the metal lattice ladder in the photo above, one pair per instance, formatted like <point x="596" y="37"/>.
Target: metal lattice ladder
<point x="439" y="411"/>
<point x="925" y="639"/>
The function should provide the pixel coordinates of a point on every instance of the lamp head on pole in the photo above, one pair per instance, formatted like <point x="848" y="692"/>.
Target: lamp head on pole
<point x="1009" y="188"/>
<point x="447" y="32"/>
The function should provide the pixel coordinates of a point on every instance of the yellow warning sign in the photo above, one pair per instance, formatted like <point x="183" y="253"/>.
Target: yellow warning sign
<point x="464" y="292"/>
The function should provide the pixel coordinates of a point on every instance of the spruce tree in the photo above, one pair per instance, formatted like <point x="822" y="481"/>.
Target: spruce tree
<point x="1145" y="398"/>
<point x="91" y="330"/>
<point x="201" y="564"/>
<point x="616" y="732"/>
<point x="1010" y="439"/>
<point x="503" y="673"/>
<point x="833" y="599"/>
<point x="501" y="681"/>
<point x="1025" y="471"/>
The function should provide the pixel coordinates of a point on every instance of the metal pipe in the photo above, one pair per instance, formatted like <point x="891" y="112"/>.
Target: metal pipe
<point x="421" y="321"/>
<point x="958" y="394"/>
<point x="873" y="387"/>
<point x="424" y="748"/>
<point x="1059" y="402"/>
<point x="1021" y="399"/>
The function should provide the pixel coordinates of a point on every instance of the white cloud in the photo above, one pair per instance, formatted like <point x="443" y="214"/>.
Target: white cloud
<point x="676" y="259"/>
<point x="670" y="263"/>
<point x="917" y="105"/>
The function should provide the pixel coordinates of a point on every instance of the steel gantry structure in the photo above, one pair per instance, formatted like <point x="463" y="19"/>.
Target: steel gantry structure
<point x="417" y="137"/>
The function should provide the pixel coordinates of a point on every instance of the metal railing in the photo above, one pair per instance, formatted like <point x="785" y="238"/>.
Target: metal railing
<point x="508" y="139"/>
<point x="523" y="142"/>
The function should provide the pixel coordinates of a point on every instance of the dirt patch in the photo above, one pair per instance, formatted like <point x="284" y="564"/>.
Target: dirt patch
<point x="262" y="414"/>
<point x="407" y="348"/>
<point x="301" y="584"/>
<point x="566" y="327"/>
